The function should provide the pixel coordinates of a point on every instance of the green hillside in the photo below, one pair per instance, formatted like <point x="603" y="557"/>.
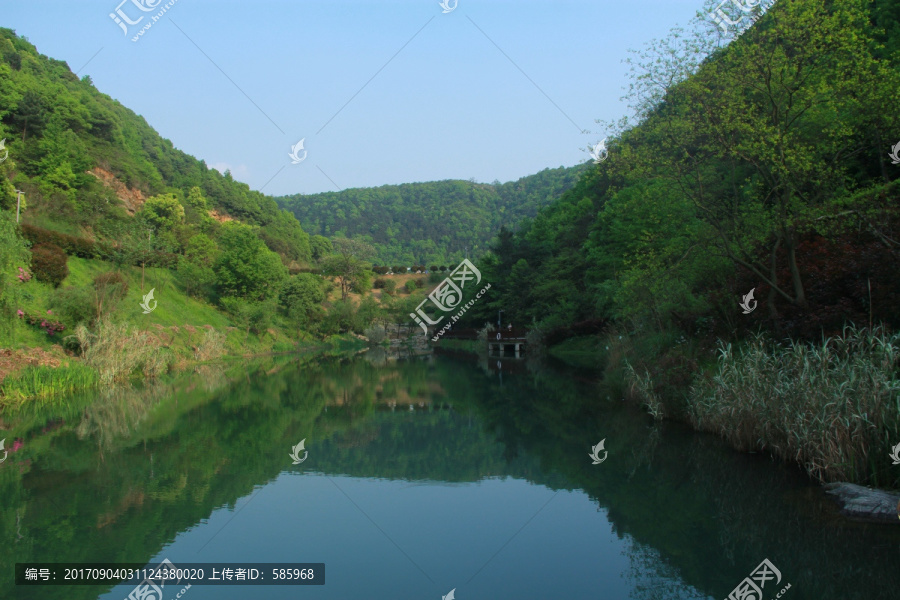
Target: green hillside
<point x="433" y="222"/>
<point x="85" y="162"/>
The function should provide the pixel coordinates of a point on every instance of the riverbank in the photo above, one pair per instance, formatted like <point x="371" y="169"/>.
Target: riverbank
<point x="832" y="407"/>
<point x="119" y="354"/>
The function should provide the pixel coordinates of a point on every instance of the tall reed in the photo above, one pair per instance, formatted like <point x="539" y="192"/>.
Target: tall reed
<point x="37" y="382"/>
<point x="833" y="407"/>
<point x="117" y="350"/>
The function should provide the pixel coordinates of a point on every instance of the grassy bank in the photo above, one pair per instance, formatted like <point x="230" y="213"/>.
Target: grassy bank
<point x="126" y="343"/>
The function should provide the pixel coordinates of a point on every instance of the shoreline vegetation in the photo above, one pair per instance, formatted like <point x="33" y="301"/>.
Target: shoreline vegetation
<point x="120" y="354"/>
<point x="831" y="407"/>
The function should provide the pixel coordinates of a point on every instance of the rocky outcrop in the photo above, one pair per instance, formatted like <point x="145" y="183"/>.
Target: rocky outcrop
<point x="858" y="502"/>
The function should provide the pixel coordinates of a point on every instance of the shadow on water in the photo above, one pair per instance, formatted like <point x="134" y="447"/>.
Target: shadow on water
<point x="116" y="476"/>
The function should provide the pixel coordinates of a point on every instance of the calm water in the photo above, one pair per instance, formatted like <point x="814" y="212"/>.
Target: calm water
<point x="485" y="486"/>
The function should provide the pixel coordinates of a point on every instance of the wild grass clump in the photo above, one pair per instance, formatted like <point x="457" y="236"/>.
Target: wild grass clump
<point x="35" y="382"/>
<point x="642" y="388"/>
<point x="211" y="347"/>
<point x="832" y="407"/>
<point x="117" y="350"/>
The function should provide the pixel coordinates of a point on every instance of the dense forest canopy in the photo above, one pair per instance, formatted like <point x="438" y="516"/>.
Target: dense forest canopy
<point x="757" y="164"/>
<point x="433" y="222"/>
<point x="59" y="129"/>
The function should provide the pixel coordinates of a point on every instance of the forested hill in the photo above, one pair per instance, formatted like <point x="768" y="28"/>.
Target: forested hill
<point x="772" y="169"/>
<point x="436" y="221"/>
<point x="86" y="163"/>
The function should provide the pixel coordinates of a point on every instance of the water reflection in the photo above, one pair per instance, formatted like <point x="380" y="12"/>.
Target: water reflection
<point x="120" y="477"/>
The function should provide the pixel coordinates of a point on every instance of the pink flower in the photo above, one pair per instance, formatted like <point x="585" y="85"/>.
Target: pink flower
<point x="49" y="312"/>
<point x="16" y="445"/>
<point x="19" y="313"/>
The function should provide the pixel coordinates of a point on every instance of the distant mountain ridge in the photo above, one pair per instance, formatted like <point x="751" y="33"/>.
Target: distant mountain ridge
<point x="436" y="221"/>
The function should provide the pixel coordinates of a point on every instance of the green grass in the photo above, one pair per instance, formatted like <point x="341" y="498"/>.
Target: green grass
<point x="45" y="382"/>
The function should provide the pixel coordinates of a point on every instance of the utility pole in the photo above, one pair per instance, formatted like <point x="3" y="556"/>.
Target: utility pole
<point x="18" y="203"/>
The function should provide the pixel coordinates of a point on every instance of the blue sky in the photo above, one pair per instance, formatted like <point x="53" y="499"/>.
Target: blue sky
<point x="434" y="95"/>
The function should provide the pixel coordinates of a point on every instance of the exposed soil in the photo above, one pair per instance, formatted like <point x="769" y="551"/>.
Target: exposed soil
<point x="133" y="199"/>
<point x="13" y="361"/>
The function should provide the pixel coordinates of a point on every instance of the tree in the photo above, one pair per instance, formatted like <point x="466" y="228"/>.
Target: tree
<point x="349" y="263"/>
<point x="163" y="212"/>
<point x="763" y="138"/>
<point x="300" y="297"/>
<point x="320" y="247"/>
<point x="247" y="268"/>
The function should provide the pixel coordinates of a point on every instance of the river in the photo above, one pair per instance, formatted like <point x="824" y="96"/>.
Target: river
<point x="423" y="475"/>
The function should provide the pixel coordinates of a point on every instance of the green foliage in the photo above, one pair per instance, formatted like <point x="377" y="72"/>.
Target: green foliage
<point x="429" y="222"/>
<point x="48" y="262"/>
<point x="74" y="246"/>
<point x="301" y="296"/>
<point x="43" y="382"/>
<point x="410" y="286"/>
<point x="349" y="264"/>
<point x="13" y="255"/>
<point x="62" y="132"/>
<point x="164" y="211"/>
<point x="75" y="305"/>
<point x="750" y="168"/>
<point x="246" y="268"/>
<point x="320" y="247"/>
<point x="255" y="317"/>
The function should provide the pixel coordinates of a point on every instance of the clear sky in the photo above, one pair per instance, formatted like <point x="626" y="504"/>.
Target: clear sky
<point x="383" y="92"/>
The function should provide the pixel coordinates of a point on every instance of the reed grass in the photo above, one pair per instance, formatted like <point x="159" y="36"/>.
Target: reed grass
<point x="117" y="350"/>
<point x="833" y="407"/>
<point x="38" y="382"/>
<point x="643" y="389"/>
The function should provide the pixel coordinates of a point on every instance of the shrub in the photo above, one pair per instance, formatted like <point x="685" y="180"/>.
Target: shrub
<point x="398" y="269"/>
<point x="48" y="261"/>
<point x="410" y="286"/>
<point x="433" y="268"/>
<point x="114" y="281"/>
<point x="420" y="282"/>
<point x="375" y="333"/>
<point x="75" y="305"/>
<point x="70" y="244"/>
<point x="379" y="283"/>
<point x="435" y="277"/>
<point x="390" y="287"/>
